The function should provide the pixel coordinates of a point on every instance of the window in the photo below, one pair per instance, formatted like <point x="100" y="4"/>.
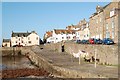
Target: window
<point x="22" y="37"/>
<point x="22" y="41"/>
<point x="19" y="39"/>
<point x="67" y="37"/>
<point x="100" y="19"/>
<point x="28" y="38"/>
<point x="29" y="41"/>
<point x="107" y="34"/>
<point x="74" y="37"/>
<point x="16" y="41"/>
<point x="112" y="12"/>
<point x="16" y="37"/>
<point x="107" y="26"/>
<point x="113" y="25"/>
<point x="96" y="20"/>
<point x="56" y="38"/>
<point x="87" y="35"/>
<point x="62" y="37"/>
<point x="36" y="38"/>
<point x="112" y="34"/>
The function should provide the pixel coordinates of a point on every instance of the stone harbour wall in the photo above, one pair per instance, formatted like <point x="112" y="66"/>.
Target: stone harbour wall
<point x="42" y="62"/>
<point x="108" y="54"/>
<point x="10" y="51"/>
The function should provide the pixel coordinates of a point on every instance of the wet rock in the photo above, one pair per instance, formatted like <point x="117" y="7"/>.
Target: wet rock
<point x="23" y="72"/>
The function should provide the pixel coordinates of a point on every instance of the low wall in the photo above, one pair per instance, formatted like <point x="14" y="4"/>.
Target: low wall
<point x="41" y="62"/>
<point x="10" y="51"/>
<point x="108" y="54"/>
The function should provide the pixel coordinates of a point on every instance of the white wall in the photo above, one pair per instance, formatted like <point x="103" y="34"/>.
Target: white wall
<point x="58" y="37"/>
<point x="19" y="40"/>
<point x="6" y="44"/>
<point x="34" y="38"/>
<point x="50" y="39"/>
<point x="25" y="41"/>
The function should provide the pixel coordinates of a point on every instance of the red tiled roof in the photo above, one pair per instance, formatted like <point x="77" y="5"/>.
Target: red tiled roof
<point x="49" y="33"/>
<point x="59" y="31"/>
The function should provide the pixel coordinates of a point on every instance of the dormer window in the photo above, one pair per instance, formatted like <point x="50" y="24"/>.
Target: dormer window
<point x="112" y="12"/>
<point x="23" y="35"/>
<point x="61" y="33"/>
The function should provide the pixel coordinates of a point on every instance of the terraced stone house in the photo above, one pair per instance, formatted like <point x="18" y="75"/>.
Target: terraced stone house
<point x="104" y="23"/>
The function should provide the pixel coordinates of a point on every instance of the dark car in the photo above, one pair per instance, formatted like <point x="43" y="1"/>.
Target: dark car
<point x="107" y="41"/>
<point x="17" y="45"/>
<point x="78" y="41"/>
<point x="91" y="41"/>
<point x="97" y="41"/>
<point x="84" y="41"/>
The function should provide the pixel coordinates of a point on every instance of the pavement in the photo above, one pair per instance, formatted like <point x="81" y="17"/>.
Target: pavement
<point x="65" y="60"/>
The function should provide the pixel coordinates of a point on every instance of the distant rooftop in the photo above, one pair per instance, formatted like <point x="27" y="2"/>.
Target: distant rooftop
<point x="6" y="40"/>
<point x="59" y="31"/>
<point x="21" y="34"/>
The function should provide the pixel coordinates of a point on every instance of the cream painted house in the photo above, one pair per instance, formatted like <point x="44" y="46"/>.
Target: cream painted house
<point x="25" y="39"/>
<point x="6" y="43"/>
<point x="84" y="31"/>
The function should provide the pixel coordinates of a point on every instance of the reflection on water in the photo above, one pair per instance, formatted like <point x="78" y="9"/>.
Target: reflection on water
<point x="11" y="62"/>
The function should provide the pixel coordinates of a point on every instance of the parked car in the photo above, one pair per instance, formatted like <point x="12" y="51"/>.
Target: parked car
<point x="107" y="41"/>
<point x="84" y="41"/>
<point x="97" y="41"/>
<point x="17" y="45"/>
<point x="78" y="41"/>
<point x="91" y="41"/>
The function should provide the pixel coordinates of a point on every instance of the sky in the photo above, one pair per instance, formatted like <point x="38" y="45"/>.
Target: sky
<point x="44" y="16"/>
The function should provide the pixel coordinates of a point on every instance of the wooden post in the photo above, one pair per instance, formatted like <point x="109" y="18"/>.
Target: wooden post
<point x="79" y="58"/>
<point x="95" y="57"/>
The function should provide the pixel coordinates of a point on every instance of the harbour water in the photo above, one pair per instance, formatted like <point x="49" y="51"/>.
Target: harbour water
<point x="20" y="67"/>
<point x="15" y="62"/>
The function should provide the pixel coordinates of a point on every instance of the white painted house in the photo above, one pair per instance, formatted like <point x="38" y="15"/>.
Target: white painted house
<point x="6" y="43"/>
<point x="25" y="39"/>
<point x="63" y="35"/>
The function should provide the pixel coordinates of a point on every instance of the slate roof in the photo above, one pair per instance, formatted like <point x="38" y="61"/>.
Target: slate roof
<point x="20" y="34"/>
<point x="101" y="10"/>
<point x="6" y="40"/>
<point x="14" y="34"/>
